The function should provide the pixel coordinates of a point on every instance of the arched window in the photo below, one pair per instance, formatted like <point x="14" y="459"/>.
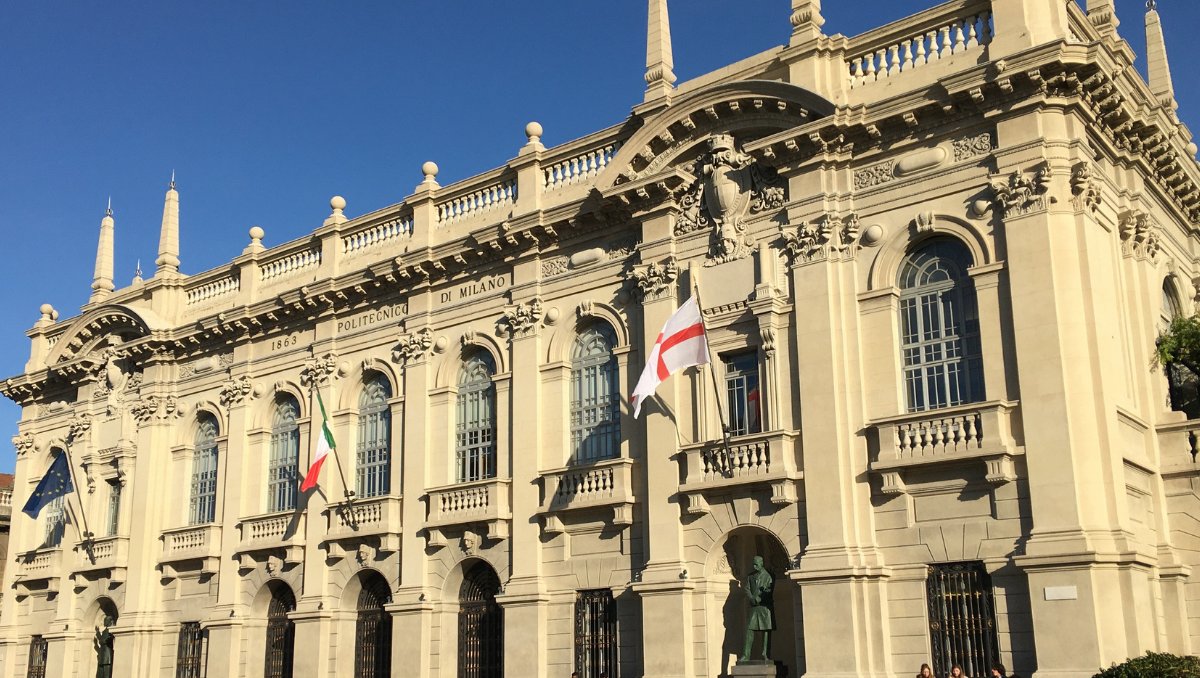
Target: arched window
<point x="1170" y="308"/>
<point x="480" y="624"/>
<point x="282" y="474"/>
<point x="56" y="513"/>
<point x="475" y="443"/>
<point x="595" y="395"/>
<point x="939" y="327"/>
<point x="281" y="632"/>
<point x="374" y="438"/>
<point x="373" y="629"/>
<point x="204" y="472"/>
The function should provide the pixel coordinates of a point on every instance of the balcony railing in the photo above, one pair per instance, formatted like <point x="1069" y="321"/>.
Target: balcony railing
<point x="602" y="484"/>
<point x="1179" y="447"/>
<point x="373" y="518"/>
<point x="185" y="545"/>
<point x="766" y="460"/>
<point x="109" y="554"/>
<point x="972" y="432"/>
<point x="39" y="569"/>
<point x="485" y="502"/>
<point x="271" y="532"/>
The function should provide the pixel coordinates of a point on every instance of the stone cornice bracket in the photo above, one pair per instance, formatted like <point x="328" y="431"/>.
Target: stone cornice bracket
<point x="654" y="280"/>
<point x="1139" y="235"/>
<point x="80" y="424"/>
<point x="1022" y="193"/>
<point x="521" y="319"/>
<point x="319" y="372"/>
<point x="235" y="391"/>
<point x="24" y="443"/>
<point x="833" y="237"/>
<point x="1085" y="188"/>
<point x="413" y="347"/>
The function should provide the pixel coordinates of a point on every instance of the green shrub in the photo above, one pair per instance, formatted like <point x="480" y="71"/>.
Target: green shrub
<point x="1154" y="665"/>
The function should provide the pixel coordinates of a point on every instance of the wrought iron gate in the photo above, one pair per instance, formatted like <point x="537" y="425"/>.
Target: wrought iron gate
<point x="281" y="633"/>
<point x="480" y="625"/>
<point x="373" y="631"/>
<point x="962" y="625"/>
<point x="596" y="634"/>
<point x="189" y="661"/>
<point x="39" y="648"/>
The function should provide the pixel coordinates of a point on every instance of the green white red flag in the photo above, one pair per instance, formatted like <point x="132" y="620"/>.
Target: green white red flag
<point x="325" y="445"/>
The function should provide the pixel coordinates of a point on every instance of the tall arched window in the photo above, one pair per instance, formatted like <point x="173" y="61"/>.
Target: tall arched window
<point x="475" y="443"/>
<point x="373" y="629"/>
<point x="595" y="395"/>
<point x="939" y="327"/>
<point x="56" y="513"/>
<point x="374" y="438"/>
<point x="282" y="473"/>
<point x="281" y="632"/>
<point x="204" y="472"/>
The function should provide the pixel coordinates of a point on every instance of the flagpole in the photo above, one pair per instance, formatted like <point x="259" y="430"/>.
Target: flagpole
<point x="712" y="367"/>
<point x="337" y="459"/>
<point x="87" y="532"/>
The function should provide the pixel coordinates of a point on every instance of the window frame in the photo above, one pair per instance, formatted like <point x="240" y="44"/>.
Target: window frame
<point x="283" y="459"/>
<point x="740" y="382"/>
<point x="594" y="399"/>
<point x="475" y="449"/>
<point x="206" y="465"/>
<point x="372" y="476"/>
<point x="191" y="651"/>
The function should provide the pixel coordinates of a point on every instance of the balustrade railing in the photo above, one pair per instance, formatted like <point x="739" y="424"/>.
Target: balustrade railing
<point x="213" y="289"/>
<point x="375" y="515"/>
<point x="477" y="201"/>
<point x="578" y="168"/>
<point x="898" y="48"/>
<point x="768" y="461"/>
<point x="186" y="542"/>
<point x="396" y="228"/>
<point x="6" y="498"/>
<point x="290" y="264"/>
<point x="269" y="529"/>
<point x="40" y="564"/>
<point x="482" y="501"/>
<point x="606" y="482"/>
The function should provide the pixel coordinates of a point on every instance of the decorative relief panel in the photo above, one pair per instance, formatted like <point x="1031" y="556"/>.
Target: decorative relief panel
<point x="1085" y="188"/>
<point x="234" y="391"/>
<point x="155" y="407"/>
<point x="972" y="147"/>
<point x="833" y="237"/>
<point x="653" y="280"/>
<point x="413" y="347"/>
<point x="80" y="424"/>
<point x="522" y="318"/>
<point x="1022" y="193"/>
<point x="205" y="364"/>
<point x="24" y="443"/>
<point x="318" y="372"/>
<point x="730" y="185"/>
<point x="1139" y="235"/>
<point x="875" y="175"/>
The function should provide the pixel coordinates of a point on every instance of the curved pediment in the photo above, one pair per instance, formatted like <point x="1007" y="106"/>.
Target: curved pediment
<point x="101" y="327"/>
<point x="746" y="110"/>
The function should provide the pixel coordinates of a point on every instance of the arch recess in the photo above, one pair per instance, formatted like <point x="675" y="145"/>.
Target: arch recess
<point x="348" y="395"/>
<point x="750" y="107"/>
<point x="93" y="327"/>
<point x="559" y="346"/>
<point x="885" y="267"/>
<point x="265" y="411"/>
<point x="447" y="371"/>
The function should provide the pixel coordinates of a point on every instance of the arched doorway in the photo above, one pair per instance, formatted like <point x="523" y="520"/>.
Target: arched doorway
<point x="730" y="563"/>
<point x="104" y="617"/>
<point x="373" y="629"/>
<point x="281" y="632"/>
<point x="480" y="624"/>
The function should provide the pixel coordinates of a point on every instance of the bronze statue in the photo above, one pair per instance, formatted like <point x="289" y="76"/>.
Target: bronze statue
<point x="759" y="587"/>
<point x="103" y="643"/>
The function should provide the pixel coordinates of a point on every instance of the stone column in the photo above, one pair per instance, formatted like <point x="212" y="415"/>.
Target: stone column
<point x="841" y="575"/>
<point x="668" y="636"/>
<point x="224" y="656"/>
<point x="314" y="627"/>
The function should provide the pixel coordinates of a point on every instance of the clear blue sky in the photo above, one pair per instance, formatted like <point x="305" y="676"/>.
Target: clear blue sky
<point x="265" y="110"/>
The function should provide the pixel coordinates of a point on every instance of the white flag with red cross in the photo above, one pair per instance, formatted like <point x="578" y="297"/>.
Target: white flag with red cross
<point x="682" y="343"/>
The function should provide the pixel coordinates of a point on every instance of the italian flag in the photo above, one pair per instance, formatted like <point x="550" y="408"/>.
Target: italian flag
<point x="325" y="444"/>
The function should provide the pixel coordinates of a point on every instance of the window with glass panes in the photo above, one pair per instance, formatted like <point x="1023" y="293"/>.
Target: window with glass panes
<point x="742" y="396"/>
<point x="39" y="650"/>
<point x="190" y="654"/>
<point x="595" y="395"/>
<point x="114" y="507"/>
<point x="203" y="508"/>
<point x="939" y="328"/>
<point x="56" y="515"/>
<point x="475" y="439"/>
<point x="282" y="473"/>
<point x="374" y="438"/>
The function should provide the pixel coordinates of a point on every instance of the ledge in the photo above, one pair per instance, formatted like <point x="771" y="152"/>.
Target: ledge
<point x="106" y="554"/>
<point x="759" y="460"/>
<point x="37" y="566"/>
<point x="600" y="484"/>
<point x="372" y="517"/>
<point x="263" y="534"/>
<point x="457" y="507"/>
<point x="185" y="545"/>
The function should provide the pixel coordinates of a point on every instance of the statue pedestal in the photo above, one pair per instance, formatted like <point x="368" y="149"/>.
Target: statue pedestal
<point x="762" y="668"/>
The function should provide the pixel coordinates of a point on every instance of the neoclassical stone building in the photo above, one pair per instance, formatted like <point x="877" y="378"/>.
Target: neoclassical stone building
<point x="933" y="260"/>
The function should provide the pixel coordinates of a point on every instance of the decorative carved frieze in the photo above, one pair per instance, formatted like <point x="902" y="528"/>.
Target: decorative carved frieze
<point x="24" y="443"/>
<point x="555" y="266"/>
<point x="1085" y="188"/>
<point x="652" y="280"/>
<point x="155" y="407"/>
<point x="1139" y="235"/>
<point x="730" y="185"/>
<point x="205" y="364"/>
<point x="318" y="372"/>
<point x="413" y="347"/>
<point x="972" y="147"/>
<point x="522" y="318"/>
<point x="235" y="391"/>
<point x="1022" y="193"/>
<point x="875" y="175"/>
<point x="833" y="237"/>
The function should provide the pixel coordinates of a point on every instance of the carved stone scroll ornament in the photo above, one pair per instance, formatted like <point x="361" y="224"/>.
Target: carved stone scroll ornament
<point x="1139" y="235"/>
<point x="833" y="237"/>
<point x="730" y="185"/>
<point x="652" y="280"/>
<point x="235" y="391"/>
<point x="522" y="318"/>
<point x="971" y="147"/>
<point x="413" y="347"/>
<point x="319" y="371"/>
<point x="1085" y="188"/>
<point x="24" y="443"/>
<point x="1022" y="193"/>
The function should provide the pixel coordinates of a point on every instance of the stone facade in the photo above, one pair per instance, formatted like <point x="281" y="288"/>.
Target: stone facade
<point x="796" y="190"/>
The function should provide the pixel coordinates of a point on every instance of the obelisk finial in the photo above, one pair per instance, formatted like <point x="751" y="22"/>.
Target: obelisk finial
<point x="102" y="279"/>
<point x="660" y="64"/>
<point x="168" y="238"/>
<point x="1157" y="67"/>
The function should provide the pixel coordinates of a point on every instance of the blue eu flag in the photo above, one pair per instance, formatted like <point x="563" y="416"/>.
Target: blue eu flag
<point x="56" y="483"/>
